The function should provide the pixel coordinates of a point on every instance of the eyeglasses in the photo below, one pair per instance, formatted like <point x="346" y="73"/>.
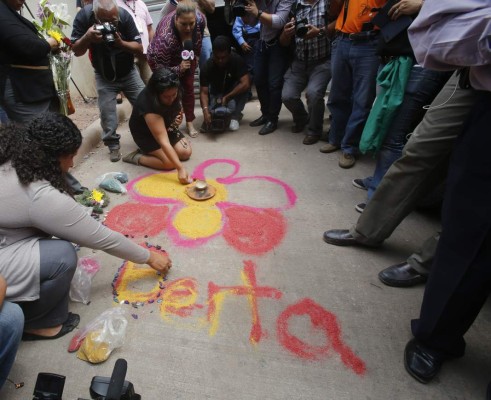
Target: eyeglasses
<point x="171" y="78"/>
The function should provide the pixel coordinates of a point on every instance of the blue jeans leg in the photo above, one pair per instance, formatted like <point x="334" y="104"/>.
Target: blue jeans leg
<point x="354" y="70"/>
<point x="422" y="87"/>
<point x="11" y="327"/>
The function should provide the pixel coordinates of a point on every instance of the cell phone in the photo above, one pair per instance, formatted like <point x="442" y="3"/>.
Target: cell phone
<point x="49" y="386"/>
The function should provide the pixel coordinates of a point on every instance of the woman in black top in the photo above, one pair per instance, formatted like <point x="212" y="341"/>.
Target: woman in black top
<point x="154" y="125"/>
<point x="26" y="82"/>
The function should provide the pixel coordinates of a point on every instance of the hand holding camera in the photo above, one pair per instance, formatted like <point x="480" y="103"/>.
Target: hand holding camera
<point x="105" y="32"/>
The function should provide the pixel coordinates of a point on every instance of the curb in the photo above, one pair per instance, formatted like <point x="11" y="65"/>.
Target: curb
<point x="91" y="136"/>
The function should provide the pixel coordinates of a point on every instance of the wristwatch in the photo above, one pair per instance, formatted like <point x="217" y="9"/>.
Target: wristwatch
<point x="259" y="13"/>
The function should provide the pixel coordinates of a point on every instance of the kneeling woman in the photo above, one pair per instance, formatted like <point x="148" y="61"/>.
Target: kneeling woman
<point x="36" y="206"/>
<point x="154" y="125"/>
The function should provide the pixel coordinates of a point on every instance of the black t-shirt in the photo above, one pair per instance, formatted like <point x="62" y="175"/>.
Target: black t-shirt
<point x="105" y="59"/>
<point x="223" y="80"/>
<point x="147" y="104"/>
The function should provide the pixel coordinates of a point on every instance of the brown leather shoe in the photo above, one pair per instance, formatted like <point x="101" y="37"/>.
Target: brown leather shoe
<point x="310" y="139"/>
<point x="346" y="160"/>
<point x="328" y="148"/>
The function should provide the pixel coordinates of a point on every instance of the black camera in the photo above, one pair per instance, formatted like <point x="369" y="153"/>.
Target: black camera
<point x="301" y="28"/>
<point x="107" y="30"/>
<point x="238" y="9"/>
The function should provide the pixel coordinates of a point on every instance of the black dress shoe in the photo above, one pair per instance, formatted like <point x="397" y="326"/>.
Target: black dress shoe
<point x="401" y="275"/>
<point x="340" y="237"/>
<point x="422" y="363"/>
<point x="268" y="128"/>
<point x="260" y="121"/>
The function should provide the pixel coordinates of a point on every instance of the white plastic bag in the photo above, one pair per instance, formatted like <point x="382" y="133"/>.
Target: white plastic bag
<point x="96" y="340"/>
<point x="81" y="283"/>
<point x="112" y="181"/>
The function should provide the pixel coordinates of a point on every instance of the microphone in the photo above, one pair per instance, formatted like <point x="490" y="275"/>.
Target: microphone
<point x="188" y="52"/>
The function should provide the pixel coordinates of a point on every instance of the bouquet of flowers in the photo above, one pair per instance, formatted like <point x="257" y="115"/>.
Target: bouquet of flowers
<point x="53" y="18"/>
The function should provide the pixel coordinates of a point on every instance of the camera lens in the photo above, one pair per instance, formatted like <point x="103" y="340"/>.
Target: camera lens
<point x="301" y="29"/>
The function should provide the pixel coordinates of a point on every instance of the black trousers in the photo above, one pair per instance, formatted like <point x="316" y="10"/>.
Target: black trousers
<point x="460" y="279"/>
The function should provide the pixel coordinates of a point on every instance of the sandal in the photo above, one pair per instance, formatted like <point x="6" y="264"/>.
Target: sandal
<point x="133" y="157"/>
<point x="69" y="325"/>
<point x="193" y="132"/>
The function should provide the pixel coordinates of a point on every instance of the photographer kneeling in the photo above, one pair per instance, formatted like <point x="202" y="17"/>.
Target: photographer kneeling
<point x="113" y="39"/>
<point x="224" y="84"/>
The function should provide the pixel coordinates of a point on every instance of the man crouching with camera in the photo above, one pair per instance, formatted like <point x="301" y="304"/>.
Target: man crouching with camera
<point x="224" y="84"/>
<point x="111" y="36"/>
<point x="310" y="67"/>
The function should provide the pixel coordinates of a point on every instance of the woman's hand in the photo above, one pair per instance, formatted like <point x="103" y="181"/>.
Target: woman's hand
<point x="53" y="43"/>
<point x="159" y="262"/>
<point x="405" y="7"/>
<point x="185" y="65"/>
<point x="183" y="176"/>
<point x="178" y="119"/>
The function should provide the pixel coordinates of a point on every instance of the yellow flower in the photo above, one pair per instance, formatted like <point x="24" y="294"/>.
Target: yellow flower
<point x="96" y="195"/>
<point x="55" y="35"/>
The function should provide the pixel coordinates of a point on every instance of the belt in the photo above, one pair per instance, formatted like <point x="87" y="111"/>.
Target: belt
<point x="43" y="67"/>
<point x="358" y="37"/>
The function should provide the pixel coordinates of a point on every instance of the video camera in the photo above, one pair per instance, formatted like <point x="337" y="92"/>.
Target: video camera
<point x="107" y="30"/>
<point x="50" y="386"/>
<point x="220" y="118"/>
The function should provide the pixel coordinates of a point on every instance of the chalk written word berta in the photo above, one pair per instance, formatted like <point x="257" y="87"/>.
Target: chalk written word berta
<point x="179" y="299"/>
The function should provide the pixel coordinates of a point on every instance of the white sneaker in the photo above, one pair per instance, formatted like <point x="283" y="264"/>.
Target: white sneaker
<point x="234" y="125"/>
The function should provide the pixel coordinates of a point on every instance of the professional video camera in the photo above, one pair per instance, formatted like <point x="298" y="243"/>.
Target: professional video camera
<point x="238" y="9"/>
<point x="50" y="386"/>
<point x="107" y="30"/>
<point x="220" y="118"/>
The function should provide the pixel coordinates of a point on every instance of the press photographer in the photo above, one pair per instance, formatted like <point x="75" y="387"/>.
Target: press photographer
<point x="224" y="83"/>
<point x="310" y="67"/>
<point x="111" y="36"/>
<point x="270" y="60"/>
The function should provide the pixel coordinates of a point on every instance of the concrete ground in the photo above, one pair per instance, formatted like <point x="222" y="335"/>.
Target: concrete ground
<point x="270" y="311"/>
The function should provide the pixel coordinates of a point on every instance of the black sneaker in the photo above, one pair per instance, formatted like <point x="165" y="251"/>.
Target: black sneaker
<point x="114" y="155"/>
<point x="360" y="207"/>
<point x="359" y="183"/>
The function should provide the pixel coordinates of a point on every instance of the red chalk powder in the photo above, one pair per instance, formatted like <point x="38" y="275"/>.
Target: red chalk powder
<point x="137" y="219"/>
<point x="323" y="320"/>
<point x="254" y="231"/>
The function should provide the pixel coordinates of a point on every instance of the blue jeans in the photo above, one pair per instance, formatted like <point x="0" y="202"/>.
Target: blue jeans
<point x="131" y="85"/>
<point x="3" y="116"/>
<point x="354" y="66"/>
<point x="11" y="327"/>
<point x="235" y="105"/>
<point x="205" y="51"/>
<point x="270" y="63"/>
<point x="422" y="87"/>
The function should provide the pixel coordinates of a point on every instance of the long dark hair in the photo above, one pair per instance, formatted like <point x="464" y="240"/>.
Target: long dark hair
<point x="161" y="80"/>
<point x="34" y="149"/>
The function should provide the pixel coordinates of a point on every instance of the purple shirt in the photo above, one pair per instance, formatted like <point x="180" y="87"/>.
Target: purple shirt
<point x="280" y="11"/>
<point x="455" y="33"/>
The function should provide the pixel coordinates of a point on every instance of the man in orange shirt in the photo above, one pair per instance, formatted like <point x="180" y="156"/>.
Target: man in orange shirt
<point x="354" y="64"/>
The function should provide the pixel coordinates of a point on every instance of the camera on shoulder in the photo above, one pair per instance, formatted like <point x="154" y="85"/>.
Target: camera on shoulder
<point x="107" y="30"/>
